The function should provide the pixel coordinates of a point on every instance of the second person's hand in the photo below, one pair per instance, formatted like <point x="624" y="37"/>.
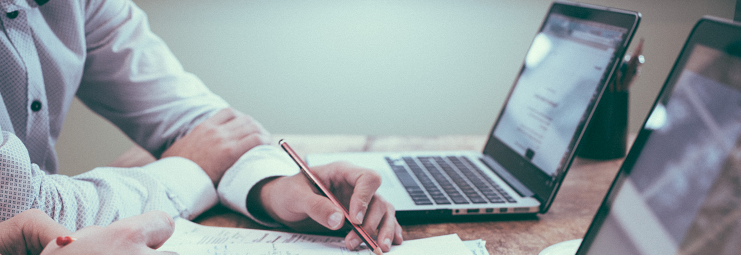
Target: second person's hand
<point x="141" y="234"/>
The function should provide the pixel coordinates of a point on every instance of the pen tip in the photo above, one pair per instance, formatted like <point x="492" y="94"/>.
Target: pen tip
<point x="377" y="251"/>
<point x="280" y="141"/>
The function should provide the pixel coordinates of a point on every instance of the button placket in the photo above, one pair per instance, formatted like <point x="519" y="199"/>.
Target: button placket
<point x="19" y="32"/>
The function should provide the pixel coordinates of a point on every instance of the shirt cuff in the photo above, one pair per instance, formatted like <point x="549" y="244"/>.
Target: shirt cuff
<point x="187" y="184"/>
<point x="261" y="162"/>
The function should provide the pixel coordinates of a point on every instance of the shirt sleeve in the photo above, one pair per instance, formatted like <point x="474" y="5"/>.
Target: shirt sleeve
<point x="264" y="161"/>
<point x="174" y="185"/>
<point x="133" y="79"/>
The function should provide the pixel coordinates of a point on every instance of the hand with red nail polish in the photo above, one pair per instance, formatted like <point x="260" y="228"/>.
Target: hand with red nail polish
<point x="34" y="232"/>
<point x="141" y="234"/>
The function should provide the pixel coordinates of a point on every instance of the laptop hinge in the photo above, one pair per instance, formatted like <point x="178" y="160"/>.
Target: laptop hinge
<point x="507" y="177"/>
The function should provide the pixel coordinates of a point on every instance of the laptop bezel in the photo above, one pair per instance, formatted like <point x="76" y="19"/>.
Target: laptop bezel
<point x="705" y="32"/>
<point x="545" y="187"/>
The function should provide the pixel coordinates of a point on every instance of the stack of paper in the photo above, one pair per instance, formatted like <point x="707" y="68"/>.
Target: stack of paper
<point x="192" y="238"/>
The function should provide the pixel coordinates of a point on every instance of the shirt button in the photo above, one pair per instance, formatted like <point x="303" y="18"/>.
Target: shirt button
<point x="12" y="15"/>
<point x="36" y="106"/>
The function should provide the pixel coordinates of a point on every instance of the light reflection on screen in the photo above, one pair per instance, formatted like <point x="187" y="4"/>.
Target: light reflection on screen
<point x="563" y="70"/>
<point x="683" y="195"/>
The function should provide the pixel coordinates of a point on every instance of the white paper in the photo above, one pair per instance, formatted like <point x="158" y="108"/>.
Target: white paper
<point x="190" y="238"/>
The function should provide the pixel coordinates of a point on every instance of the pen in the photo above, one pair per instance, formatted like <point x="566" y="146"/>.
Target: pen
<point x="631" y="67"/>
<point x="323" y="189"/>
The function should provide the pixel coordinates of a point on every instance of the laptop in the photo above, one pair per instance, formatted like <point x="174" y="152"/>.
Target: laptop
<point x="679" y="189"/>
<point x="533" y="141"/>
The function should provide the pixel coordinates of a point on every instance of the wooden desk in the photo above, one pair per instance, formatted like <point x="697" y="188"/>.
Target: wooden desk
<point x="568" y="218"/>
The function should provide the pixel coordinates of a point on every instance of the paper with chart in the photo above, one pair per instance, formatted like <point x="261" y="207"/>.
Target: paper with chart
<point x="191" y="238"/>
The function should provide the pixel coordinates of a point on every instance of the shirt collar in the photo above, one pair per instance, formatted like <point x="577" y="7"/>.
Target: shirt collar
<point x="15" y="5"/>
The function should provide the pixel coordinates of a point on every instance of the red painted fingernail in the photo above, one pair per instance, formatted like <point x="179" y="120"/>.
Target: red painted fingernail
<point x="65" y="240"/>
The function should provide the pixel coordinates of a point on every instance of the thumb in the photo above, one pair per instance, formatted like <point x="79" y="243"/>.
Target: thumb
<point x="320" y="209"/>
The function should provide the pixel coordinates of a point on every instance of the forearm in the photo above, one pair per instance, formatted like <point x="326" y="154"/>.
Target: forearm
<point x="132" y="79"/>
<point x="103" y="195"/>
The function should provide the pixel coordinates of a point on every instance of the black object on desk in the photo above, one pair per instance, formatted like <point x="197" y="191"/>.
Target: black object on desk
<point x="606" y="136"/>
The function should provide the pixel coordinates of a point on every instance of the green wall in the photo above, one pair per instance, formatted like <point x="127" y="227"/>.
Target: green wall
<point x="406" y="67"/>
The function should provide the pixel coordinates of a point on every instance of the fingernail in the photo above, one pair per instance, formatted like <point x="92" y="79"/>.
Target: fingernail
<point x="354" y="242"/>
<point x="334" y="220"/>
<point x="387" y="242"/>
<point x="359" y="217"/>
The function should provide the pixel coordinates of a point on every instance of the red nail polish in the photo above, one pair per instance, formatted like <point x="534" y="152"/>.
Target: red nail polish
<point x="65" y="240"/>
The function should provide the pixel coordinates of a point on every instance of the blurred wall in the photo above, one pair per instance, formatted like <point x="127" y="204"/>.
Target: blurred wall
<point x="403" y="67"/>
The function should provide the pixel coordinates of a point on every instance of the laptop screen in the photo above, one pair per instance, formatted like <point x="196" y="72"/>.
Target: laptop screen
<point x="679" y="191"/>
<point x="563" y="73"/>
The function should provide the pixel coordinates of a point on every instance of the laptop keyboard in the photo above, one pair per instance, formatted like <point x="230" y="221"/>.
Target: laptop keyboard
<point x="447" y="180"/>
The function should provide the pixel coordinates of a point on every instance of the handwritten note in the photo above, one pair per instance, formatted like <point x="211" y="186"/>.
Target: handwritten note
<point x="477" y="247"/>
<point x="191" y="238"/>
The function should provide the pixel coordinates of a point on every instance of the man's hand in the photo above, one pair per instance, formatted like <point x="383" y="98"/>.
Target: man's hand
<point x="219" y="141"/>
<point x="294" y="201"/>
<point x="140" y="234"/>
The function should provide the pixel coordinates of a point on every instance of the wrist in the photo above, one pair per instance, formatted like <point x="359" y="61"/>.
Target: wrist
<point x="258" y="200"/>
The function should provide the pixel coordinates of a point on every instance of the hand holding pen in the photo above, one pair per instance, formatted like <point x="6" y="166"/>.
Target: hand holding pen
<point x="296" y="202"/>
<point x="326" y="192"/>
